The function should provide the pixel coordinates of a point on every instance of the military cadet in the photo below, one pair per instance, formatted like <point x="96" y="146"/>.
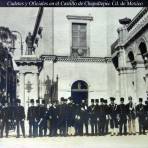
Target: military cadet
<point x="63" y="117"/>
<point x="1" y="107"/>
<point x="84" y="116"/>
<point x="19" y="118"/>
<point x="141" y="114"/>
<point x="92" y="117"/>
<point x="96" y="112"/>
<point x="43" y="120"/>
<point x="5" y="119"/>
<point x="107" y="117"/>
<point x="102" y="117"/>
<point x="146" y="115"/>
<point x="122" y="116"/>
<point x="52" y="115"/>
<point x="131" y="113"/>
<point x="78" y="122"/>
<point x="71" y="116"/>
<point x="32" y="118"/>
<point x="113" y="117"/>
<point x="38" y="117"/>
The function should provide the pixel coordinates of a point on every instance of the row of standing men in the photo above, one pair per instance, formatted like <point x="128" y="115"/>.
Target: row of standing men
<point x="62" y="119"/>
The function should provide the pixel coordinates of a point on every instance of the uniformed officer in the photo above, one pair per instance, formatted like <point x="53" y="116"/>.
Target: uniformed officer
<point x="107" y="117"/>
<point x="1" y="107"/>
<point x="131" y="112"/>
<point x="84" y="116"/>
<point x="43" y="120"/>
<point x="113" y="116"/>
<point x="32" y="118"/>
<point x="71" y="116"/>
<point x="102" y="117"/>
<point x="146" y="115"/>
<point x="52" y="115"/>
<point x="92" y="117"/>
<point x="78" y="122"/>
<point x="141" y="114"/>
<point x="5" y="119"/>
<point x="38" y="117"/>
<point x="96" y="112"/>
<point x="63" y="117"/>
<point x="19" y="118"/>
<point x="122" y="116"/>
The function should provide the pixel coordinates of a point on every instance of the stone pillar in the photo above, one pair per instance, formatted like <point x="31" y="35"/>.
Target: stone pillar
<point x="36" y="85"/>
<point x="141" y="81"/>
<point x="122" y="74"/>
<point x="22" y="88"/>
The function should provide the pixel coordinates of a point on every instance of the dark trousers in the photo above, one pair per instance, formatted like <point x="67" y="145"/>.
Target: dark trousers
<point x="63" y="128"/>
<point x="53" y="128"/>
<point x="94" y="129"/>
<point x="101" y="126"/>
<point x="123" y="125"/>
<point x="32" y="128"/>
<point x="78" y="128"/>
<point x="43" y="128"/>
<point x="141" y="125"/>
<point x="106" y="126"/>
<point x="19" y="124"/>
<point x="85" y="124"/>
<point x="113" y="123"/>
<point x="5" y="125"/>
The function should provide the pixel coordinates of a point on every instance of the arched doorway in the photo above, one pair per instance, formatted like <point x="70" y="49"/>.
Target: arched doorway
<point x="143" y="50"/>
<point x="79" y="91"/>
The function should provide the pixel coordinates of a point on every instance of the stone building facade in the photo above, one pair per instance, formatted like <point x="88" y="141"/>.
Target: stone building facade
<point x="129" y="56"/>
<point x="70" y="50"/>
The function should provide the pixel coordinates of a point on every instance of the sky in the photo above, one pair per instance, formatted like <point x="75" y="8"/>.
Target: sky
<point x="23" y="20"/>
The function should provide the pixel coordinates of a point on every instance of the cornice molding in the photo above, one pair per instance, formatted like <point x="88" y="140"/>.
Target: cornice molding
<point x="76" y="60"/>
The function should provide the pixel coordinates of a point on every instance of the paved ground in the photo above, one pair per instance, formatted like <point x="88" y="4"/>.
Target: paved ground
<point x="76" y="142"/>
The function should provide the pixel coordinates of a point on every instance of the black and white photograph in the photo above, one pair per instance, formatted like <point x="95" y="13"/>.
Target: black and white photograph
<point x="73" y="77"/>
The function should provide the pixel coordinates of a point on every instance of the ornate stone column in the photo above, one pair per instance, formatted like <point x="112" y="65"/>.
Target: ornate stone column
<point x="36" y="75"/>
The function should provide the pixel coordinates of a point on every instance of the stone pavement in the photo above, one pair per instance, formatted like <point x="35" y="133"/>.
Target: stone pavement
<point x="77" y="142"/>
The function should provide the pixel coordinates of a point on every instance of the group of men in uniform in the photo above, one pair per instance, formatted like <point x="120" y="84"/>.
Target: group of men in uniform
<point x="71" y="118"/>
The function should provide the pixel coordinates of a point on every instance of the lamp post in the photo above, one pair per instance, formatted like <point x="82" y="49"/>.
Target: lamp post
<point x="20" y="39"/>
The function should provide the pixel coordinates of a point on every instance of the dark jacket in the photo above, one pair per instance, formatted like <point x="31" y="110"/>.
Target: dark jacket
<point x="19" y="113"/>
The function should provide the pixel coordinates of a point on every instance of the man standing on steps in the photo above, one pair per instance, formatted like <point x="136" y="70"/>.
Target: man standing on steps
<point x="19" y="113"/>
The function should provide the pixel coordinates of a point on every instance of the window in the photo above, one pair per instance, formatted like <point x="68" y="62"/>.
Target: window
<point x="79" y="33"/>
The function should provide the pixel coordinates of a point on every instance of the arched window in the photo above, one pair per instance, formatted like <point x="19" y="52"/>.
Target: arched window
<point x="143" y="50"/>
<point x="132" y="59"/>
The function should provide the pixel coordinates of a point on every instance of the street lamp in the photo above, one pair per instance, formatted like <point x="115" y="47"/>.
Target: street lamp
<point x="21" y="40"/>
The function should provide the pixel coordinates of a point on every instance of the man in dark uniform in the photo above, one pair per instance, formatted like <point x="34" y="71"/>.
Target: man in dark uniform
<point x="113" y="116"/>
<point x="38" y="116"/>
<point x="78" y="122"/>
<point x="131" y="112"/>
<point x="71" y="116"/>
<point x="63" y="117"/>
<point x="84" y="116"/>
<point x="141" y="114"/>
<point x="146" y="115"/>
<point x="92" y="117"/>
<point x="107" y="117"/>
<point x="32" y="118"/>
<point x="5" y="119"/>
<point x="102" y="117"/>
<point x="43" y="121"/>
<point x="19" y="118"/>
<point x="1" y="107"/>
<point x="96" y="114"/>
<point x="122" y="115"/>
<point x="52" y="115"/>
